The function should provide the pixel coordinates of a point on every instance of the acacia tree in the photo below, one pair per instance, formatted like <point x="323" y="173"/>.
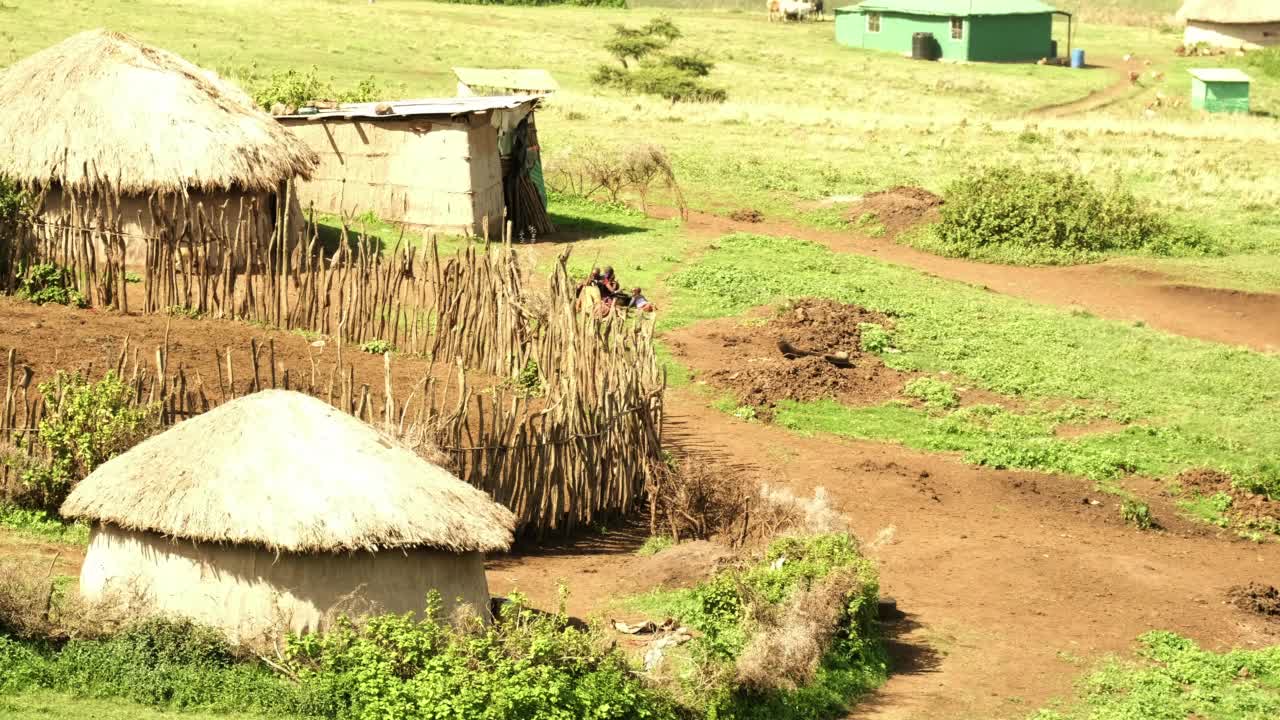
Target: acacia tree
<point x="672" y="76"/>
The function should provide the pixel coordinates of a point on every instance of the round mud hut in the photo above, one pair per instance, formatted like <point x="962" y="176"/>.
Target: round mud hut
<point x="122" y="144"/>
<point x="278" y="511"/>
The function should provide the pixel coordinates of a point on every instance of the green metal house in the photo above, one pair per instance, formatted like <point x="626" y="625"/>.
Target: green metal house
<point x="1220" y="90"/>
<point x="973" y="30"/>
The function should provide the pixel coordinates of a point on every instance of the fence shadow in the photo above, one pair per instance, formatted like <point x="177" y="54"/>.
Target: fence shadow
<point x="572" y="228"/>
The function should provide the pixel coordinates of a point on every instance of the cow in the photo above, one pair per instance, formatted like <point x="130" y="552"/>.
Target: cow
<point x="796" y="10"/>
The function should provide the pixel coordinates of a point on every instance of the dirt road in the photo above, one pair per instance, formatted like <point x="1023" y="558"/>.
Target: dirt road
<point x="1112" y="291"/>
<point x="1119" y="87"/>
<point x="1012" y="582"/>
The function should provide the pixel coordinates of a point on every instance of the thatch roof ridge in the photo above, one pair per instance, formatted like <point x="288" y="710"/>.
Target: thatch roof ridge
<point x="1230" y="11"/>
<point x="289" y="472"/>
<point x="103" y="110"/>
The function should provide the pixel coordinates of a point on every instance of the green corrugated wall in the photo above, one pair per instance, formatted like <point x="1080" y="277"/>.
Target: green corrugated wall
<point x="1220" y="96"/>
<point x="1010" y="38"/>
<point x="896" y="31"/>
<point x="993" y="38"/>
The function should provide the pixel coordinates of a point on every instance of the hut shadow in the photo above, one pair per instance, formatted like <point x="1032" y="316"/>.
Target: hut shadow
<point x="622" y="538"/>
<point x="572" y="228"/>
<point x="331" y="238"/>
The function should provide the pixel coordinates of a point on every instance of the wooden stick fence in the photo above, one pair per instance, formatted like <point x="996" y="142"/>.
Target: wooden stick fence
<point x="586" y="452"/>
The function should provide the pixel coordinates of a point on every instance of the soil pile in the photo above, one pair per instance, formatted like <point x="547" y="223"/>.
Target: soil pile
<point x="1247" y="509"/>
<point x="747" y="359"/>
<point x="1256" y="598"/>
<point x="747" y="215"/>
<point x="898" y="209"/>
<point x="683" y="565"/>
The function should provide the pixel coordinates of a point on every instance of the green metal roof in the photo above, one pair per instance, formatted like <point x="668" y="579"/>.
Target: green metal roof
<point x="952" y="7"/>
<point x="1219" y="75"/>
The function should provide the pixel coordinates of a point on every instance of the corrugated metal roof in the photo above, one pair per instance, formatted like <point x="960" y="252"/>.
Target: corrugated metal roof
<point x="1219" y="75"/>
<point x="952" y="7"/>
<point x="526" y="79"/>
<point x="437" y="107"/>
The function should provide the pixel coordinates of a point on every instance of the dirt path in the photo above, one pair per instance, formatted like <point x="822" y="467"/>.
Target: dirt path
<point x="1011" y="582"/>
<point x="1111" y="291"/>
<point x="1098" y="98"/>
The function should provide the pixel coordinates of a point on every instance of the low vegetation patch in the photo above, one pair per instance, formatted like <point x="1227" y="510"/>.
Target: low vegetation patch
<point x="85" y="424"/>
<point x="1011" y="214"/>
<point x="792" y="636"/>
<point x="42" y="525"/>
<point x="50" y="283"/>
<point x="1175" y="678"/>
<point x="1248" y="503"/>
<point x="935" y="394"/>
<point x="285" y="91"/>
<point x="542" y="3"/>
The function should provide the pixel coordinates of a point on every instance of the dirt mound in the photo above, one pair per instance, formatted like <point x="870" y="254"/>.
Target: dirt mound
<point x="747" y="359"/>
<point x="1256" y="598"/>
<point x="898" y="209"/>
<point x="747" y="215"/>
<point x="683" y="565"/>
<point x="1204" y="480"/>
<point x="1247" y="509"/>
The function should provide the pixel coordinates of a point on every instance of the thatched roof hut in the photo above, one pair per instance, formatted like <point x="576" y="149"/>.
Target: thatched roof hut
<point x="275" y="508"/>
<point x="1243" y="24"/>
<point x="103" y="113"/>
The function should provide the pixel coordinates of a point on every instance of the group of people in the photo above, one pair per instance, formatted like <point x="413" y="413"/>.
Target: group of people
<point x="602" y="292"/>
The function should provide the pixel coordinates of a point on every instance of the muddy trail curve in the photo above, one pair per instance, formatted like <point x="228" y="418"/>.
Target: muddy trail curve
<point x="1011" y="583"/>
<point x="1098" y="99"/>
<point x="1115" y="292"/>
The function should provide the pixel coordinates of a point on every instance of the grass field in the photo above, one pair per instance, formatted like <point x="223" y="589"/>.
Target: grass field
<point x="45" y="705"/>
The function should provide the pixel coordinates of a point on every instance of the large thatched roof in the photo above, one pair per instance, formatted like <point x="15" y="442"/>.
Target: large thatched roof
<point x="292" y="473"/>
<point x="1231" y="11"/>
<point x="102" y="109"/>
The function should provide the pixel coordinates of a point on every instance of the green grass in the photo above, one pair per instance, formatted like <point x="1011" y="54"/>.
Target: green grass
<point x="654" y="545"/>
<point x="1187" y="403"/>
<point x="35" y="524"/>
<point x="47" y="705"/>
<point x="1174" y="679"/>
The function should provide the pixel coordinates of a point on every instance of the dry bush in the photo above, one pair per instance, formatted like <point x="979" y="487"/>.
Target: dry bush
<point x="37" y="605"/>
<point x="693" y="499"/>
<point x="609" y="172"/>
<point x="788" y="643"/>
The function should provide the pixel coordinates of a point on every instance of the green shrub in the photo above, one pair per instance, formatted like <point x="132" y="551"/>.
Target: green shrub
<point x="40" y="524"/>
<point x="873" y="338"/>
<point x="1266" y="61"/>
<point x="85" y="425"/>
<point x="1262" y="479"/>
<point x="294" y="89"/>
<point x="132" y="277"/>
<point x="1013" y="214"/>
<point x="933" y="393"/>
<point x="737" y="612"/>
<point x="1137" y="513"/>
<point x="376" y="347"/>
<point x="655" y="544"/>
<point x="49" y="283"/>
<point x="528" y="382"/>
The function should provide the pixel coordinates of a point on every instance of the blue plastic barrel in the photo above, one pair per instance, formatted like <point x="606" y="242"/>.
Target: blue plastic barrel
<point x="1077" y="58"/>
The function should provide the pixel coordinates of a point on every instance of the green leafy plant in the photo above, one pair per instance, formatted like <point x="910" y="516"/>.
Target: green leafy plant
<point x="86" y="424"/>
<point x="42" y="525"/>
<point x="292" y="89"/>
<point x="873" y="338"/>
<point x="655" y="544"/>
<point x="1136" y="513"/>
<point x="528" y="382"/>
<point x="1262" y="479"/>
<point x="376" y="347"/>
<point x="50" y="283"/>
<point x="182" y="311"/>
<point x="1009" y="213"/>
<point x="934" y="393"/>
<point x="132" y="277"/>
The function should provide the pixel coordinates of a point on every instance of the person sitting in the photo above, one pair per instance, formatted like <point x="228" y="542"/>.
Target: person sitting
<point x="591" y="279"/>
<point x="640" y="302"/>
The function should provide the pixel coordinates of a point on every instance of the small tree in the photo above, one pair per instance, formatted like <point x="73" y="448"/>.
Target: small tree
<point x="675" y="77"/>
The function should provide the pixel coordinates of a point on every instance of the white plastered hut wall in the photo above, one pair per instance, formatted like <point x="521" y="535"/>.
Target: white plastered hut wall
<point x="434" y="173"/>
<point x="1248" y="36"/>
<point x="248" y="591"/>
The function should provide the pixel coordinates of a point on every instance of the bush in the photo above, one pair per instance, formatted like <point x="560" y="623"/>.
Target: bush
<point x="933" y="393"/>
<point x="376" y="347"/>
<point x="1266" y="61"/>
<point x="1011" y="214"/>
<point x="49" y="283"/>
<point x="85" y="425"/>
<point x="793" y="636"/>
<point x="291" y="89"/>
<point x="1137" y="513"/>
<point x="872" y="337"/>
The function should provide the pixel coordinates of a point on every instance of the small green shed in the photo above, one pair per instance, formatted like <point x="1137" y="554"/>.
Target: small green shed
<point x="975" y="30"/>
<point x="1220" y="90"/>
